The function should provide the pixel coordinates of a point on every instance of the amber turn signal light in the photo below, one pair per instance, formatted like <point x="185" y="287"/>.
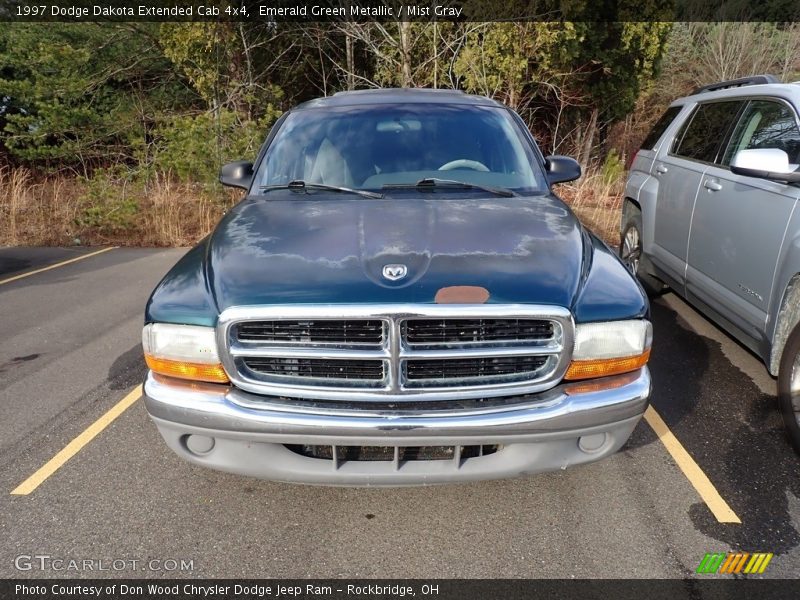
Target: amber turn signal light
<point x="213" y="373"/>
<point x="588" y="369"/>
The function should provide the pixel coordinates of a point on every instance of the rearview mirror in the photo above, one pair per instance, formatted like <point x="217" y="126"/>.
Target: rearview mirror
<point x="561" y="169"/>
<point x="765" y="163"/>
<point x="237" y="174"/>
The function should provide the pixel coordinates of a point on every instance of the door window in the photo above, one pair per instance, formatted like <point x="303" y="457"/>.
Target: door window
<point x="700" y="139"/>
<point x="766" y="124"/>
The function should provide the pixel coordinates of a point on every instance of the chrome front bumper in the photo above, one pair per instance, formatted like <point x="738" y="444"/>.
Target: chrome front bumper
<point x="225" y="428"/>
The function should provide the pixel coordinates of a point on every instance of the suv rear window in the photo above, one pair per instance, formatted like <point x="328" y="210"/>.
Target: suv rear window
<point x="700" y="138"/>
<point x="660" y="127"/>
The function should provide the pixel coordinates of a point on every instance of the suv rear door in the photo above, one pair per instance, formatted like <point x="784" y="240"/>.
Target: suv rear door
<point x="740" y="222"/>
<point x="680" y="167"/>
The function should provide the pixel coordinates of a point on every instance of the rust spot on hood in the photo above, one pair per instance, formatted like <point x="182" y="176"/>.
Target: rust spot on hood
<point x="462" y="294"/>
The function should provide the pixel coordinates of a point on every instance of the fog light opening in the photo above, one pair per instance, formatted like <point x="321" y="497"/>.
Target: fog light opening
<point x="592" y="444"/>
<point x="199" y="445"/>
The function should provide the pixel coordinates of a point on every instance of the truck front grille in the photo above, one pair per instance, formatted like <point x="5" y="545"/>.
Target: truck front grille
<point x="428" y="332"/>
<point x="394" y="353"/>
<point x="438" y="372"/>
<point x="317" y="368"/>
<point x="368" y="332"/>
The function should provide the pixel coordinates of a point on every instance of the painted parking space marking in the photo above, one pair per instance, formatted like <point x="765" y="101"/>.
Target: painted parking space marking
<point x="699" y="480"/>
<point x="75" y="446"/>
<point x="56" y="265"/>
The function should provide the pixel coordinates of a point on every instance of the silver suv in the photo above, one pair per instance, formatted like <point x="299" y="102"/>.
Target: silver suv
<point x="710" y="212"/>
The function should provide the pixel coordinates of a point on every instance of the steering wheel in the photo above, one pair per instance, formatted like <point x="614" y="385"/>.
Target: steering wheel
<point x="464" y="163"/>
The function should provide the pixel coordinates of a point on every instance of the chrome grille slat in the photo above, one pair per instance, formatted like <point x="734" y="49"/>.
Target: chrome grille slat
<point x="479" y="351"/>
<point x="483" y="351"/>
<point x="310" y="352"/>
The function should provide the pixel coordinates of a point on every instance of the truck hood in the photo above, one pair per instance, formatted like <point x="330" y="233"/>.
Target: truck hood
<point x="332" y="249"/>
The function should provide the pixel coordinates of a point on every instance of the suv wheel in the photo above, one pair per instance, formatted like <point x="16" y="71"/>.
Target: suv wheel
<point x="630" y="251"/>
<point x="789" y="387"/>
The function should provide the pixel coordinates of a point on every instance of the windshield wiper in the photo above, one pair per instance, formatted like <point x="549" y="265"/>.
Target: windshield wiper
<point x="298" y="185"/>
<point x="435" y="182"/>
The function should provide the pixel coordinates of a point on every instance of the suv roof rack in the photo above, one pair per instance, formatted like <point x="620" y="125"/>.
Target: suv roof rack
<point x="378" y="91"/>
<point x="742" y="81"/>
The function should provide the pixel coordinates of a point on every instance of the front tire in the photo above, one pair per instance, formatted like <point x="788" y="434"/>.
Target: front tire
<point x="789" y="387"/>
<point x="630" y="252"/>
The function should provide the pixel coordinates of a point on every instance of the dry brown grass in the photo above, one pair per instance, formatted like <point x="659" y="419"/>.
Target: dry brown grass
<point x="597" y="203"/>
<point x="58" y="211"/>
<point x="35" y="213"/>
<point x="179" y="214"/>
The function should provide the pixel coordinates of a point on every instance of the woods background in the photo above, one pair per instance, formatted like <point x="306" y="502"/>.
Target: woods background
<point x="113" y="133"/>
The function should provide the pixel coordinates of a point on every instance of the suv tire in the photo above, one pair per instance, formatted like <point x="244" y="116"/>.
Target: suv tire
<point x="630" y="251"/>
<point x="789" y="403"/>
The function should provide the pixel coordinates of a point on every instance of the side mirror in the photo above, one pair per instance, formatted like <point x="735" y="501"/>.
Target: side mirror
<point x="237" y="174"/>
<point x="561" y="169"/>
<point x="765" y="163"/>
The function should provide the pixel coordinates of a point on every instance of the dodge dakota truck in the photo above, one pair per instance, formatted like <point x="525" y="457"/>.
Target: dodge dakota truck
<point x="399" y="299"/>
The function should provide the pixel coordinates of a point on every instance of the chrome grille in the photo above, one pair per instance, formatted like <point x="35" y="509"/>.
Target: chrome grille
<point x="391" y="353"/>
<point x="368" y="332"/>
<point x="317" y="368"/>
<point x="427" y="332"/>
<point x="439" y="372"/>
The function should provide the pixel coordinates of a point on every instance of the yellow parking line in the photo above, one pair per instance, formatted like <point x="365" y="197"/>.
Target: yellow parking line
<point x="71" y="449"/>
<point x="718" y="507"/>
<point x="56" y="265"/>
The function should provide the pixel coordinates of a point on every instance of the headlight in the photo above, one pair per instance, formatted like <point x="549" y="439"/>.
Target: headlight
<point x="610" y="348"/>
<point x="185" y="351"/>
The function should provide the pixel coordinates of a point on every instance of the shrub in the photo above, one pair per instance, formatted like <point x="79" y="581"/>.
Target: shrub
<point x="612" y="169"/>
<point x="107" y="204"/>
<point x="193" y="147"/>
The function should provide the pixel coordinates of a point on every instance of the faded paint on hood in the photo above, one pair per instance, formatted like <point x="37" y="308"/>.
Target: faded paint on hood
<point x="328" y="248"/>
<point x="525" y="249"/>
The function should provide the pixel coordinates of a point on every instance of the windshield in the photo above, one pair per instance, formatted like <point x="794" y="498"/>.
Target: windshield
<point x="369" y="147"/>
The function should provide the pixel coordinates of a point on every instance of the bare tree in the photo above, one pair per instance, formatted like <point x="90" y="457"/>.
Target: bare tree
<point x="403" y="53"/>
<point x="728" y="50"/>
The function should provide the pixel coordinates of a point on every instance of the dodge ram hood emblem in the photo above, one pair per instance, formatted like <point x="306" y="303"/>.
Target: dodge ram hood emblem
<point x="394" y="272"/>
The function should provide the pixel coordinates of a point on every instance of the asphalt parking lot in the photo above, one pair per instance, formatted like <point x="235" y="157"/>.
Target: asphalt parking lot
<point x="70" y="324"/>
